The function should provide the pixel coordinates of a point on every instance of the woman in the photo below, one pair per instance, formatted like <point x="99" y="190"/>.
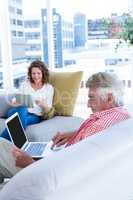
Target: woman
<point x="41" y="93"/>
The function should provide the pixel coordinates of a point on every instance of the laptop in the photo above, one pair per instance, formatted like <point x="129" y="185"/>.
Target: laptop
<point x="18" y="137"/>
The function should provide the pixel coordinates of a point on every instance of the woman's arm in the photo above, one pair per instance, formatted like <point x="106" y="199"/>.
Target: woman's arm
<point x="46" y="104"/>
<point x="43" y="105"/>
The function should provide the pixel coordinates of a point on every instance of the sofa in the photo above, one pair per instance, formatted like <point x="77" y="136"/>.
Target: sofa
<point x="99" y="167"/>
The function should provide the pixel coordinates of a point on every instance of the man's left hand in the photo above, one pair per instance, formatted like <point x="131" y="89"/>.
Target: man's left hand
<point x="22" y="159"/>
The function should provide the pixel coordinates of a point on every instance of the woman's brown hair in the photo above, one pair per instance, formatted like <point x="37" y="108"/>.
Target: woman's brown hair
<point x="43" y="68"/>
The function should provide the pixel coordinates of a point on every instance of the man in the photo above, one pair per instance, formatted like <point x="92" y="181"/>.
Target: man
<point x="105" y="98"/>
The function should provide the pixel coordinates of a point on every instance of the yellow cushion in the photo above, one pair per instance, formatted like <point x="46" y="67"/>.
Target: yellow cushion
<point x="66" y="86"/>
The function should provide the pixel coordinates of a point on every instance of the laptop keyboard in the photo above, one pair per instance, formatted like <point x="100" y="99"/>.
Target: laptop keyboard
<point x="35" y="149"/>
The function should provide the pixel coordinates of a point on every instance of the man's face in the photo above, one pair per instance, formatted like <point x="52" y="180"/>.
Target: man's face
<point x="96" y="103"/>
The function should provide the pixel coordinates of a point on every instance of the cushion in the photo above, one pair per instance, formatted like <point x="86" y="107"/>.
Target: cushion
<point x="66" y="86"/>
<point x="5" y="104"/>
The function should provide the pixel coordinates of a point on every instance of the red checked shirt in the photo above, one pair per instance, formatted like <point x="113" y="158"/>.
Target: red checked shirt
<point x="98" y="122"/>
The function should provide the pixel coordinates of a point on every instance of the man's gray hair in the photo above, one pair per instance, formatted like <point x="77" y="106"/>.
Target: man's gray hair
<point x="107" y="83"/>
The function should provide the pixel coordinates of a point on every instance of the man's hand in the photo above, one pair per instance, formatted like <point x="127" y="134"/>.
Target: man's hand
<point x="22" y="159"/>
<point x="61" y="138"/>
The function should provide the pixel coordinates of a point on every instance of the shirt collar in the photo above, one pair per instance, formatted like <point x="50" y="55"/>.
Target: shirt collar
<point x="105" y="112"/>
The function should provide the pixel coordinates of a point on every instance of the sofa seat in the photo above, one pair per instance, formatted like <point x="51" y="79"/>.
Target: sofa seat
<point x="45" y="130"/>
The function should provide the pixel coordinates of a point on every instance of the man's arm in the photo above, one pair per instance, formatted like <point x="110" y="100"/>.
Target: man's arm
<point x="22" y="159"/>
<point x="7" y="162"/>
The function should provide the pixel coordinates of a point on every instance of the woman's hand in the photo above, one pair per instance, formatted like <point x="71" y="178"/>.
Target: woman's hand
<point x="22" y="159"/>
<point x="40" y="103"/>
<point x="61" y="138"/>
<point x="43" y="105"/>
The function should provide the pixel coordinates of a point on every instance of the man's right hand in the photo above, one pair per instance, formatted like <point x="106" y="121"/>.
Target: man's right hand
<point x="61" y="138"/>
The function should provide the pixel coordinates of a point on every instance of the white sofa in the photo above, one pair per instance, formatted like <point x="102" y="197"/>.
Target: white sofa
<point x="99" y="167"/>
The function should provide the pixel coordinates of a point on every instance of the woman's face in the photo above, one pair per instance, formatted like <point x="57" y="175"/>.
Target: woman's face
<point x="36" y="75"/>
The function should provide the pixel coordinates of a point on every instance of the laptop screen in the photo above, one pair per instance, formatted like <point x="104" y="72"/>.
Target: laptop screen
<point x="16" y="131"/>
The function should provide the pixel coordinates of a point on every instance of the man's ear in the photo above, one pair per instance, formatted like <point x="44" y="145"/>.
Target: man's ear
<point x="110" y="98"/>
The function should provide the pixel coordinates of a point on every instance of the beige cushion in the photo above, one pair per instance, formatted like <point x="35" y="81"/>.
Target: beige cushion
<point x="66" y="86"/>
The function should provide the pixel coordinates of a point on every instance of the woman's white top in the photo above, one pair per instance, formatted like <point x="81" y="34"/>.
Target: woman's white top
<point x="45" y="94"/>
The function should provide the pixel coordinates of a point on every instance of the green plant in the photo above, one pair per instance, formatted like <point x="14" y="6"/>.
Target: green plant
<point x="127" y="30"/>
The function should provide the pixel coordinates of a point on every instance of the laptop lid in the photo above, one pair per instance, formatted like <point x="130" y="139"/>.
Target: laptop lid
<point x="16" y="131"/>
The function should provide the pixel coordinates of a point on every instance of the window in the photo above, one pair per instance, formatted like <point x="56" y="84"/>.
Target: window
<point x="20" y="34"/>
<point x="19" y="22"/>
<point x="19" y="1"/>
<point x="32" y="23"/>
<point x="32" y="36"/>
<point x="129" y="83"/>
<point x="13" y="21"/>
<point x="19" y="11"/>
<point x="14" y="33"/>
<point x="85" y="36"/>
